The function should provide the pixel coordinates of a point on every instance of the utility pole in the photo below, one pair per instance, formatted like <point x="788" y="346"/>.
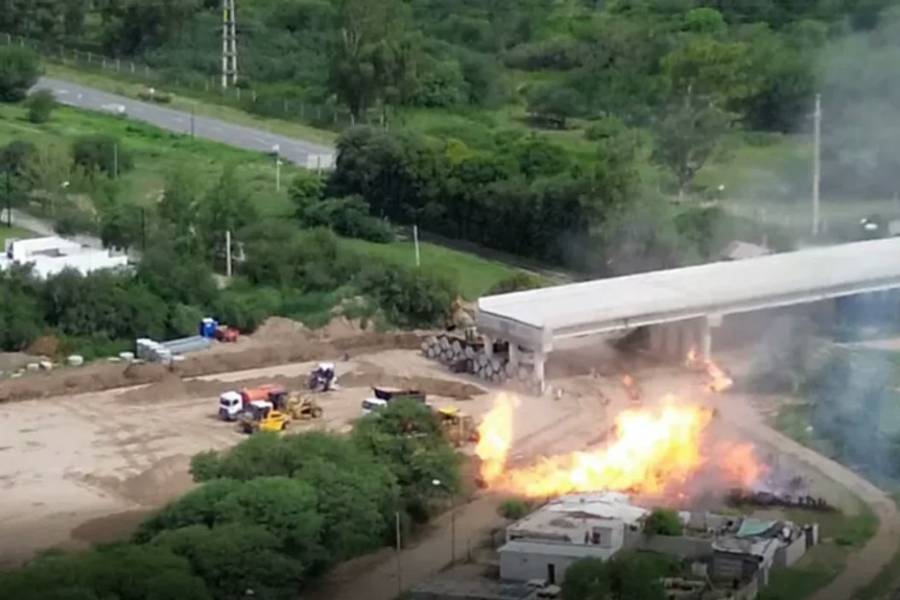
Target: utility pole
<point x="8" y="198"/>
<point x="276" y="150"/>
<point x="817" y="164"/>
<point x="229" y="44"/>
<point x="416" y="242"/>
<point x="228" y="253"/>
<point x="399" y="573"/>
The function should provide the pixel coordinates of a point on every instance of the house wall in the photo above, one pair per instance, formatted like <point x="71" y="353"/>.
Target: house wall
<point x="684" y="547"/>
<point x="785" y="556"/>
<point x="524" y="566"/>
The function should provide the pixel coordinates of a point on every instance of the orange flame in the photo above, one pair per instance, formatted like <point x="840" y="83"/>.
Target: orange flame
<point x="653" y="450"/>
<point x="738" y="463"/>
<point x="719" y="381"/>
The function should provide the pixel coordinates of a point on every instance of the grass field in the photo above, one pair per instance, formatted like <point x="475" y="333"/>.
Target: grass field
<point x="13" y="232"/>
<point x="474" y="275"/>
<point x="155" y="153"/>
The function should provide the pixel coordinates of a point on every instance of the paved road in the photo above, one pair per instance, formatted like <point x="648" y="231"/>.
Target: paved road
<point x="296" y="151"/>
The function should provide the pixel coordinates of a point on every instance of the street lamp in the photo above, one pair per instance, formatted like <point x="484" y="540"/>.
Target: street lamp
<point x="276" y="149"/>
<point x="439" y="484"/>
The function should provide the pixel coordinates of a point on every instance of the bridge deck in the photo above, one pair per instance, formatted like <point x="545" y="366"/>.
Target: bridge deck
<point x="607" y="305"/>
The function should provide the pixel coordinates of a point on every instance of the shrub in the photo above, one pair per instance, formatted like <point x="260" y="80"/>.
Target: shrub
<point x="19" y="70"/>
<point x="663" y="521"/>
<point x="516" y="282"/>
<point x="559" y="54"/>
<point x="40" y="106"/>
<point x="101" y="153"/>
<point x="514" y="509"/>
<point x="410" y="297"/>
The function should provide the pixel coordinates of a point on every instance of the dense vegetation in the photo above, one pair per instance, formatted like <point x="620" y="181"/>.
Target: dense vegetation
<point x="271" y="514"/>
<point x="623" y="577"/>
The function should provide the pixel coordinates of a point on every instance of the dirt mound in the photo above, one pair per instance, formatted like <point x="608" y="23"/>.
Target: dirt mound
<point x="46" y="345"/>
<point x="279" y="328"/>
<point x="433" y="387"/>
<point x="341" y="327"/>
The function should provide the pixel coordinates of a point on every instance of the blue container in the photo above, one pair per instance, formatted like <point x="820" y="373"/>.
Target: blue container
<point x="208" y="327"/>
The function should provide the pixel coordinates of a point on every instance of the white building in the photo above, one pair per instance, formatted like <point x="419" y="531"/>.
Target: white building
<point x="51" y="255"/>
<point x="545" y="543"/>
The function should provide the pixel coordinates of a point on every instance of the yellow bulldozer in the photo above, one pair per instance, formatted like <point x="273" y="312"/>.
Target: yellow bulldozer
<point x="263" y="416"/>
<point x="458" y="426"/>
<point x="300" y="407"/>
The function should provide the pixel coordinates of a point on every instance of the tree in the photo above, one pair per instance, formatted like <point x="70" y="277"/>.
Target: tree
<point x="553" y="104"/>
<point x="121" y="225"/>
<point x="178" y="205"/>
<point x="409" y="297"/>
<point x="625" y="576"/>
<point x="234" y="558"/>
<point x="19" y="71"/>
<point x="513" y="509"/>
<point x="101" y="153"/>
<point x="371" y="58"/>
<point x="688" y="135"/>
<point x="307" y="189"/>
<point x="47" y="172"/>
<point x="663" y="521"/>
<point x="225" y="207"/>
<point x="408" y="438"/>
<point x="40" y="106"/>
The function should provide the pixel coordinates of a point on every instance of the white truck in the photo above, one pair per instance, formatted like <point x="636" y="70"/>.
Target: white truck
<point x="231" y="405"/>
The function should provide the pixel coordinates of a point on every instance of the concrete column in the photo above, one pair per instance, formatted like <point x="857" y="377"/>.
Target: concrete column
<point x="671" y="342"/>
<point x="656" y="339"/>
<point x="705" y="347"/>
<point x="514" y="354"/>
<point x="540" y="360"/>
<point x="488" y="346"/>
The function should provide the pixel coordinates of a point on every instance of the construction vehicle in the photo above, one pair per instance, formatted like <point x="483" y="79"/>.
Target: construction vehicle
<point x="227" y="335"/>
<point x="262" y="416"/>
<point x="299" y="407"/>
<point x="383" y="397"/>
<point x="322" y="377"/>
<point x="231" y="405"/>
<point x="458" y="426"/>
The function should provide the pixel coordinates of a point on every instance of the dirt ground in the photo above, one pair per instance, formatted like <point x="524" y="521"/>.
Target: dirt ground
<point x="87" y="468"/>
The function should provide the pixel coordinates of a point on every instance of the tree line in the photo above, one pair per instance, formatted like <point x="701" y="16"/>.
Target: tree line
<point x="269" y="516"/>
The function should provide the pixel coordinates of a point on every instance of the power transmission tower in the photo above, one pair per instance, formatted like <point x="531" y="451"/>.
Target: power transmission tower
<point x="229" y="44"/>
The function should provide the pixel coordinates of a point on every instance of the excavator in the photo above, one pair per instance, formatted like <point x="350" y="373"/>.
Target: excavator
<point x="261" y="415"/>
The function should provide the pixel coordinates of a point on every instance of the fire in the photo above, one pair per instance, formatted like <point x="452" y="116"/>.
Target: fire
<point x="652" y="450"/>
<point x="495" y="438"/>
<point x="740" y="466"/>
<point x="719" y="381"/>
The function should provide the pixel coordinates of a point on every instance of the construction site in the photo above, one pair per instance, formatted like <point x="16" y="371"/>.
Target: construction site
<point x="90" y="451"/>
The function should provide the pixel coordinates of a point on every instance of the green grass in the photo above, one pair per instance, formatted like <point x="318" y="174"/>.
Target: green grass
<point x="155" y="153"/>
<point x="125" y="87"/>
<point x="811" y="573"/>
<point x="474" y="275"/>
<point x="13" y="232"/>
<point x="887" y="580"/>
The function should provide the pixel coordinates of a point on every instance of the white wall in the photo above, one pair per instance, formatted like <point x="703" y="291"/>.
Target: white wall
<point x="524" y="566"/>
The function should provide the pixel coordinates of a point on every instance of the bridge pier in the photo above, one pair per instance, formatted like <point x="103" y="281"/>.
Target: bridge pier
<point x="676" y="339"/>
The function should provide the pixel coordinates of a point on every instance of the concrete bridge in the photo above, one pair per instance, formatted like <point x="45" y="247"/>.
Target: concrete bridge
<point x="682" y="305"/>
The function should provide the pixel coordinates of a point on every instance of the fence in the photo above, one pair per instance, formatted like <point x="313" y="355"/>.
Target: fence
<point x="195" y="85"/>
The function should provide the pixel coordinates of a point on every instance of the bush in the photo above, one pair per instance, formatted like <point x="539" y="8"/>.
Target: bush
<point x="19" y="70"/>
<point x="663" y="521"/>
<point x="558" y="54"/>
<point x="40" y="106"/>
<point x="410" y="297"/>
<point x="101" y="153"/>
<point x="514" y="509"/>
<point x="349" y="217"/>
<point x="516" y="282"/>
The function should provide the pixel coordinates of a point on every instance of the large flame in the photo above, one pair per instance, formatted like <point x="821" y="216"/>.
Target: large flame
<point x="495" y="438"/>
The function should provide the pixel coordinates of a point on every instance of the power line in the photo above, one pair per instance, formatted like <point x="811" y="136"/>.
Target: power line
<point x="229" y="44"/>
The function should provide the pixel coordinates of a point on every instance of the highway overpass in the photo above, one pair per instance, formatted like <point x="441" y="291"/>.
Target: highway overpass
<point x="683" y="303"/>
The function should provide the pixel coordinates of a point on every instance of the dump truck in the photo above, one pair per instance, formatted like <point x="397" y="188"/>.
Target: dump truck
<point x="298" y="406"/>
<point x="233" y="403"/>
<point x="262" y="416"/>
<point x="458" y="426"/>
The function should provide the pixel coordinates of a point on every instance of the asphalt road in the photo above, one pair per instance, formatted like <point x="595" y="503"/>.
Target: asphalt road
<point x="299" y="152"/>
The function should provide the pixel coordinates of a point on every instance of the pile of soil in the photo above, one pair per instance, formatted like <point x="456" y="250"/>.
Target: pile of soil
<point x="341" y="327"/>
<point x="279" y="328"/>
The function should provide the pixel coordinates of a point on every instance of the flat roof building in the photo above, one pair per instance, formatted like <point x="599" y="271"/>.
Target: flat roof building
<point x="51" y="255"/>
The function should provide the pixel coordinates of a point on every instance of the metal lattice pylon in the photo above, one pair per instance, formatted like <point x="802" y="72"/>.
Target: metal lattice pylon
<point x="229" y="44"/>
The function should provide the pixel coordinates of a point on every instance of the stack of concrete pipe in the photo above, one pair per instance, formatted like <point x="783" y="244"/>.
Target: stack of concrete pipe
<point x="458" y="352"/>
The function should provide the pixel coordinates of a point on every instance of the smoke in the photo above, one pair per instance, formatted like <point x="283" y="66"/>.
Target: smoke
<point x="861" y="107"/>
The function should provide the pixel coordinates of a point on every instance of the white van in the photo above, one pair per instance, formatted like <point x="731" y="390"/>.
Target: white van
<point x="370" y="405"/>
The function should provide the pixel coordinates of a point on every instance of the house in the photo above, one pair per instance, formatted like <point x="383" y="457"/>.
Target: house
<point x="51" y="255"/>
<point x="737" y="553"/>
<point x="545" y="543"/>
